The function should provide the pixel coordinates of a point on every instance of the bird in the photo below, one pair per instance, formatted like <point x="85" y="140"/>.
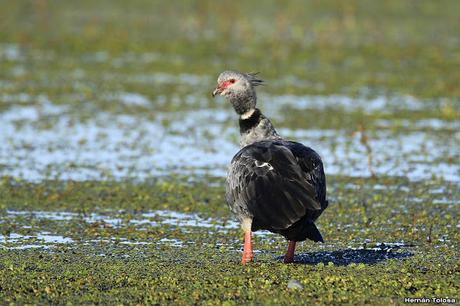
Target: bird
<point x="272" y="184"/>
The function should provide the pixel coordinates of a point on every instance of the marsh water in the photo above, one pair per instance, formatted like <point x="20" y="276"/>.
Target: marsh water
<point x="113" y="150"/>
<point x="189" y="134"/>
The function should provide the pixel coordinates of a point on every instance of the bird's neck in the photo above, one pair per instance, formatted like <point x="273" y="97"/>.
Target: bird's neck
<point x="243" y="102"/>
<point x="254" y="127"/>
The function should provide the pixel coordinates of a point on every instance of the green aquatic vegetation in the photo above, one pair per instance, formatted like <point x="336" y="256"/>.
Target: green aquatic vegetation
<point x="376" y="250"/>
<point x="336" y="71"/>
<point x="197" y="274"/>
<point x="101" y="196"/>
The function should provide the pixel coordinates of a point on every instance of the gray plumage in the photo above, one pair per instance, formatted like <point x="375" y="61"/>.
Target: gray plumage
<point x="256" y="128"/>
<point x="242" y="94"/>
<point x="279" y="185"/>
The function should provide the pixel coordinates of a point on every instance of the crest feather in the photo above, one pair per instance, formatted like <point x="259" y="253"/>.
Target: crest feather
<point x="253" y="79"/>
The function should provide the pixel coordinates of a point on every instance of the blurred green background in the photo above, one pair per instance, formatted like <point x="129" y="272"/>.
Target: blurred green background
<point x="410" y="47"/>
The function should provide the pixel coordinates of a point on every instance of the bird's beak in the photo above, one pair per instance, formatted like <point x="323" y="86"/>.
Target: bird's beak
<point x="217" y="91"/>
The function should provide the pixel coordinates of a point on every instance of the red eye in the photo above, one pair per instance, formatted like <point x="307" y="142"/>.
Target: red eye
<point x="232" y="81"/>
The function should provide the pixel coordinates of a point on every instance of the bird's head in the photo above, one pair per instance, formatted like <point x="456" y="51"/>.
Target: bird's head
<point x="238" y="88"/>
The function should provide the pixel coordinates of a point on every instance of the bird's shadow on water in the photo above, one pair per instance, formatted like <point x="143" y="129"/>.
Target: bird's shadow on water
<point x="345" y="257"/>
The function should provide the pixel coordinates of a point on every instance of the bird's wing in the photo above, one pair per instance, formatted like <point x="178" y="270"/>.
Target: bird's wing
<point x="312" y="167"/>
<point x="266" y="181"/>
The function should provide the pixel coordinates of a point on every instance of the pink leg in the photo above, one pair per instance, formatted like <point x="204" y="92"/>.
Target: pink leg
<point x="289" y="257"/>
<point x="247" y="251"/>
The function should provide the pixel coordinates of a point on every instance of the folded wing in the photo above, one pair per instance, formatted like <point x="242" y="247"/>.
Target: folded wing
<point x="277" y="183"/>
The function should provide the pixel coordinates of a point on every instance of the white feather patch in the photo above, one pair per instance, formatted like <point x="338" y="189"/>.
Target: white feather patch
<point x="247" y="114"/>
<point x="246" y="224"/>
<point x="265" y="164"/>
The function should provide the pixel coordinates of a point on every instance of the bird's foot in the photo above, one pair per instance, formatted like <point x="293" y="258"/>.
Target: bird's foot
<point x="288" y="259"/>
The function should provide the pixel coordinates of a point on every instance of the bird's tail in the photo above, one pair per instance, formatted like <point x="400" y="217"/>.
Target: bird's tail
<point x="301" y="230"/>
<point x="312" y="232"/>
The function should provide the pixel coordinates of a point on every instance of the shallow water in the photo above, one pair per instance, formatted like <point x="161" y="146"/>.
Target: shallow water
<point x="110" y="146"/>
<point x="152" y="218"/>
<point x="44" y="240"/>
<point x="49" y="229"/>
<point x="146" y="123"/>
<point x="126" y="125"/>
<point x="47" y="220"/>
